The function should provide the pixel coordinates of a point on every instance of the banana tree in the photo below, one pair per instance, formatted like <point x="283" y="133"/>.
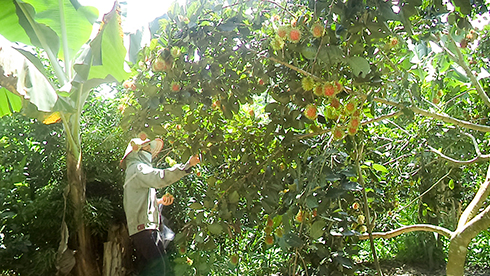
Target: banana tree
<point x="59" y="32"/>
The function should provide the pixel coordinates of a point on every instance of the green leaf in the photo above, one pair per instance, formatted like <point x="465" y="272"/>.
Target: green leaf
<point x="77" y="22"/>
<point x="464" y="6"/>
<point x="311" y="202"/>
<point x="234" y="197"/>
<point x="215" y="228"/>
<point x="196" y="206"/>
<point x="349" y="172"/>
<point x="380" y="168"/>
<point x="334" y="193"/>
<point x="230" y="24"/>
<point x="451" y="184"/>
<point x="30" y="83"/>
<point x="316" y="229"/>
<point x="108" y="50"/>
<point x="41" y="35"/>
<point x="293" y="240"/>
<point x="351" y="186"/>
<point x="408" y="112"/>
<point x="359" y="65"/>
<point x="9" y="102"/>
<point x="11" y="29"/>
<point x="330" y="54"/>
<point x="345" y="262"/>
<point x="309" y="52"/>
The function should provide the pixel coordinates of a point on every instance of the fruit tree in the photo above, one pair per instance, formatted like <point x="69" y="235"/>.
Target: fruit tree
<point x="314" y="115"/>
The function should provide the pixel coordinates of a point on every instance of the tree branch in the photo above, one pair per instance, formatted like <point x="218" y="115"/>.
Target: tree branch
<point x="426" y="191"/>
<point x="477" y="224"/>
<point x="369" y="223"/>
<point x="476" y="203"/>
<point x="459" y="59"/>
<point x="478" y="158"/>
<point x="443" y="117"/>
<point x="383" y="117"/>
<point x="475" y="144"/>
<point x="407" y="229"/>
<point x="292" y="67"/>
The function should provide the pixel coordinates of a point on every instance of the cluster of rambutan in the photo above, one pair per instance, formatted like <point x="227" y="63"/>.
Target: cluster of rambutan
<point x="346" y="114"/>
<point x="436" y="99"/>
<point x="293" y="34"/>
<point x="329" y="90"/>
<point x="269" y="229"/>
<point x="322" y="89"/>
<point x="349" y="114"/>
<point x="305" y="216"/>
<point x="163" y="61"/>
<point x="359" y="223"/>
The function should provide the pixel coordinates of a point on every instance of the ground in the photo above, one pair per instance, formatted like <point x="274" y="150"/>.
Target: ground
<point x="394" y="268"/>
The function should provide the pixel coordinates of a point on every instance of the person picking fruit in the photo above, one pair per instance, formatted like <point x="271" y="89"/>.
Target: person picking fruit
<point x="141" y="202"/>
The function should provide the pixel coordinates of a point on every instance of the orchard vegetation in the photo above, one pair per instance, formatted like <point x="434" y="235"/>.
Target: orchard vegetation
<point x="332" y="134"/>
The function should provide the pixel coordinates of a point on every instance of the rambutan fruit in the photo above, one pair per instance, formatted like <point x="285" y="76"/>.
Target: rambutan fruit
<point x="317" y="30"/>
<point x="294" y="35"/>
<point x="310" y="112"/>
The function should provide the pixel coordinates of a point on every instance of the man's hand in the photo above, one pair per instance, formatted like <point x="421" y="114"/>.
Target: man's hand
<point x="166" y="200"/>
<point x="194" y="160"/>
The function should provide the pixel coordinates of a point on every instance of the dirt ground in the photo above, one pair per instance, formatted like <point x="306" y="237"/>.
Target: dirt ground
<point x="393" y="268"/>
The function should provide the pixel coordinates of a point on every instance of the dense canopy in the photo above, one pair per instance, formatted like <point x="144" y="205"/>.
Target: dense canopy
<point x="322" y="126"/>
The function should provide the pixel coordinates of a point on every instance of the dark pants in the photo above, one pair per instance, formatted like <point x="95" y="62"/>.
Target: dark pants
<point x="150" y="255"/>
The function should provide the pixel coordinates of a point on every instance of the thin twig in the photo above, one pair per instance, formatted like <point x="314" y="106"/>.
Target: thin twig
<point x="426" y="191"/>
<point x="383" y="117"/>
<point x="366" y="206"/>
<point x="272" y="2"/>
<point x="407" y="229"/>
<point x="295" y="266"/>
<point x="398" y="158"/>
<point x="399" y="127"/>
<point x="321" y="42"/>
<point x="299" y="70"/>
<point x="304" y="263"/>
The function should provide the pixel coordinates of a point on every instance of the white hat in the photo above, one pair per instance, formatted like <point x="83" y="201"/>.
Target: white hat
<point x="135" y="144"/>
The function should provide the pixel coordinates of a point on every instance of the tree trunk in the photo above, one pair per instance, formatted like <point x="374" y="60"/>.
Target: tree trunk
<point x="471" y="223"/>
<point x="458" y="248"/>
<point x="85" y="259"/>
<point x="460" y="240"/>
<point x="117" y="252"/>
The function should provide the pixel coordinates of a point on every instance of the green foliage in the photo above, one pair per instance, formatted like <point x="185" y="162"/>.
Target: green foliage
<point x="79" y="63"/>
<point x="32" y="181"/>
<point x="225" y="82"/>
<point x="104" y="144"/>
<point x="30" y="199"/>
<point x="236" y="84"/>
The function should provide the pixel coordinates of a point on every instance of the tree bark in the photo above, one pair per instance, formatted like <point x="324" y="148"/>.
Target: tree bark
<point x="458" y="245"/>
<point x="117" y="252"/>
<point x="85" y="259"/>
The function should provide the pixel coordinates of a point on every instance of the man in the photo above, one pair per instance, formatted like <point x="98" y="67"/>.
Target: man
<point x="141" y="202"/>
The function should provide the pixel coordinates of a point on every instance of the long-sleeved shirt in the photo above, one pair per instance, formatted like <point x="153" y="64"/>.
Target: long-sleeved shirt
<point x="140" y="200"/>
